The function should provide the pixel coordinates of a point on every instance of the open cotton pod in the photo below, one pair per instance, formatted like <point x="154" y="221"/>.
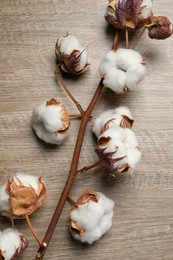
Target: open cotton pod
<point x="91" y="217"/>
<point x="51" y="122"/>
<point x="22" y="194"/>
<point x="12" y="244"/>
<point x="71" y="55"/>
<point x="122" y="70"/>
<point x="120" y="116"/>
<point x="118" y="150"/>
<point x="128" y="14"/>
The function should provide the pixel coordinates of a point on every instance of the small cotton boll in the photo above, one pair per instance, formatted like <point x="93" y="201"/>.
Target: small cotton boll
<point x="126" y="58"/>
<point x="92" y="216"/>
<point x="12" y="244"/>
<point x="23" y="194"/>
<point x="134" y="74"/>
<point x="71" y="55"/>
<point x="50" y="121"/>
<point x="122" y="70"/>
<point x="115" y="80"/>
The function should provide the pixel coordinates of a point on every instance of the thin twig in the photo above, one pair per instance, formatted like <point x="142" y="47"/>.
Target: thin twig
<point x="75" y="116"/>
<point x="72" y="173"/>
<point x="58" y="77"/>
<point x="33" y="230"/>
<point x="127" y="39"/>
<point x="116" y="41"/>
<point x="86" y="168"/>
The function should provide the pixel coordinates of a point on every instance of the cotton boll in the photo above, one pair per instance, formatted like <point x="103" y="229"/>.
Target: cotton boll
<point x="50" y="121"/>
<point x="71" y="55"/>
<point x="12" y="244"/>
<point x="122" y="70"/>
<point x="91" y="217"/>
<point x="135" y="74"/>
<point x="22" y="194"/>
<point x="115" y="80"/>
<point x="125" y="58"/>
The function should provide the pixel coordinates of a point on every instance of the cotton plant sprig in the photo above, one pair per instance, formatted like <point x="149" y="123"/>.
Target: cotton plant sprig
<point x="121" y="70"/>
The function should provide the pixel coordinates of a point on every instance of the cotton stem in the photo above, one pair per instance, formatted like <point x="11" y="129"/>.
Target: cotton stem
<point x="127" y="39"/>
<point x="116" y="41"/>
<point x="72" y="173"/>
<point x="60" y="80"/>
<point x="87" y="168"/>
<point x="33" y="230"/>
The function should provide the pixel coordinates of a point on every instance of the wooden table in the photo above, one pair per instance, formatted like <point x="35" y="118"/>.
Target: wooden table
<point x="143" y="220"/>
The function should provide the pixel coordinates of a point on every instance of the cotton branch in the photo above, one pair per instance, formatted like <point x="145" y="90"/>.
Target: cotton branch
<point x="72" y="173"/>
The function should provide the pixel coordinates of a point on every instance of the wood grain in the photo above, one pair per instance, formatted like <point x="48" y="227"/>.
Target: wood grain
<point x="143" y="221"/>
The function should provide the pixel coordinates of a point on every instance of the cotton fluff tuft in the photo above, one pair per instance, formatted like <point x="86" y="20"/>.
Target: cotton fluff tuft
<point x="12" y="244"/>
<point x="122" y="70"/>
<point x="50" y="121"/>
<point x="92" y="216"/>
<point x="22" y="194"/>
<point x="71" y="55"/>
<point x="120" y="116"/>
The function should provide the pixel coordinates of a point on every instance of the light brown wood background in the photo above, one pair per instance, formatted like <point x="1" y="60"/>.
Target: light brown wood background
<point x="143" y="221"/>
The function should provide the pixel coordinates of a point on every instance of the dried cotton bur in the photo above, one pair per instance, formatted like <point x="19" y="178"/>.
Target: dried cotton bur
<point x="91" y="216"/>
<point x="117" y="146"/>
<point x="51" y="122"/>
<point x="22" y="194"/>
<point x="12" y="244"/>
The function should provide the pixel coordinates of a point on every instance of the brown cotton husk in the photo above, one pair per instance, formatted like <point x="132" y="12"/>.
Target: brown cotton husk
<point x="159" y="27"/>
<point x="24" y="200"/>
<point x="126" y="122"/>
<point x="75" y="228"/>
<point x="125" y="14"/>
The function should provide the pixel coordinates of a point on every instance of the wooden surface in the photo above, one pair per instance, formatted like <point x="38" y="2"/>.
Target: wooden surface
<point x="143" y="221"/>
